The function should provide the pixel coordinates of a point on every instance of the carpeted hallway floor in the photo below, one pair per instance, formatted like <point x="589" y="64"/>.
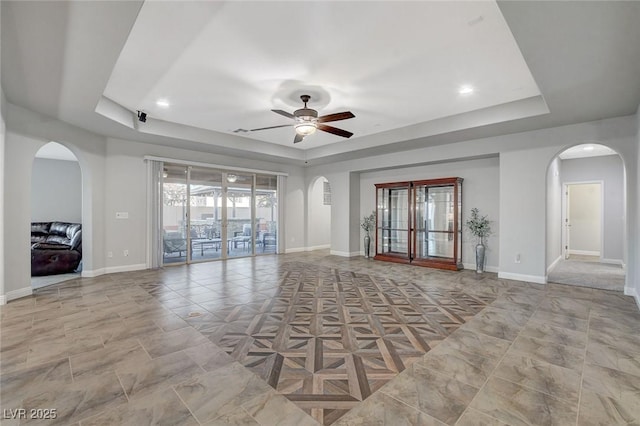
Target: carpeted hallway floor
<point x="588" y="271"/>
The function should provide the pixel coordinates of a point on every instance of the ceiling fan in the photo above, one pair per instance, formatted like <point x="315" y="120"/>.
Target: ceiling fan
<point x="307" y="121"/>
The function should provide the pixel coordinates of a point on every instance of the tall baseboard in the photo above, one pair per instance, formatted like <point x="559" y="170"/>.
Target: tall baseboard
<point x="344" y="253"/>
<point x="125" y="268"/>
<point x="295" y="250"/>
<point x="522" y="277"/>
<point x="630" y="291"/>
<point x="92" y="273"/>
<point x="554" y="263"/>
<point x="15" y="294"/>
<point x="322" y="247"/>
<point x="472" y="266"/>
<point x="585" y="252"/>
<point x="613" y="261"/>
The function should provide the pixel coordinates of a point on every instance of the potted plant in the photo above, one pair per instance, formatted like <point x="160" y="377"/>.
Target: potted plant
<point x="480" y="227"/>
<point x="368" y="224"/>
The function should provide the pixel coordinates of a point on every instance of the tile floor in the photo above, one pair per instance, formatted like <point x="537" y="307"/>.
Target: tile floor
<point x="307" y="339"/>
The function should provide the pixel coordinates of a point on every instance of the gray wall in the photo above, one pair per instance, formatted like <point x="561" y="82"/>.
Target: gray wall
<point x="609" y="170"/>
<point x="56" y="191"/>
<point x="480" y="189"/>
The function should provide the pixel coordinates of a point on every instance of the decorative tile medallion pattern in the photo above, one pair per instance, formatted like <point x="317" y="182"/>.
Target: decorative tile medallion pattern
<point x="327" y="339"/>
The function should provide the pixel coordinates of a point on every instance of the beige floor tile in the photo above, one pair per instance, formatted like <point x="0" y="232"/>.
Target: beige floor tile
<point x="142" y="378"/>
<point x="439" y="396"/>
<point x="108" y="358"/>
<point x="552" y="353"/>
<point x="208" y="400"/>
<point x="517" y="405"/>
<point x="559" y="382"/>
<point x="605" y="411"/>
<point x="383" y="410"/>
<point x="558" y="335"/>
<point x="472" y="417"/>
<point x="165" y="343"/>
<point x="465" y="367"/>
<point x="615" y="358"/>
<point x="162" y="408"/>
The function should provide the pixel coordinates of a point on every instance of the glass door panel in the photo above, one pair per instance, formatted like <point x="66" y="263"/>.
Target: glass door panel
<point x="266" y="217"/>
<point x="174" y="214"/>
<point x="205" y="224"/>
<point x="419" y="222"/>
<point x="439" y="221"/>
<point x="239" y="209"/>
<point x="393" y="221"/>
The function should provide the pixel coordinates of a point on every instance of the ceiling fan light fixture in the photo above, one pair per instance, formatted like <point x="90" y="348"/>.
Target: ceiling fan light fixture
<point x="231" y="178"/>
<point x="306" y="126"/>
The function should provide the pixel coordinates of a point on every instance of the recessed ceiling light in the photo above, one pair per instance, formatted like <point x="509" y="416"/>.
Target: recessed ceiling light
<point x="588" y="148"/>
<point x="163" y="103"/>
<point x="465" y="90"/>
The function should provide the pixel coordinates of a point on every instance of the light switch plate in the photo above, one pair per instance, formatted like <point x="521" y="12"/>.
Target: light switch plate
<point x="122" y="215"/>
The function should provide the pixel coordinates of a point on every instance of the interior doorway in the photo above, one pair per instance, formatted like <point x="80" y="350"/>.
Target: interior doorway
<point x="586" y="228"/>
<point x="319" y="214"/>
<point x="56" y="216"/>
<point x="583" y="220"/>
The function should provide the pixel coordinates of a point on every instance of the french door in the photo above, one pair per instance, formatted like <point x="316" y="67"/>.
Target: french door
<point x="210" y="214"/>
<point x="419" y="222"/>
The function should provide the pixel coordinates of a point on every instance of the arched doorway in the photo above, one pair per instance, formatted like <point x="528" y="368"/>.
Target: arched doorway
<point x="56" y="216"/>
<point x="586" y="229"/>
<point x="319" y="214"/>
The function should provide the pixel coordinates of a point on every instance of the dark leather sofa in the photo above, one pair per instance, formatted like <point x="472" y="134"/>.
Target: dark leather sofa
<point x="56" y="247"/>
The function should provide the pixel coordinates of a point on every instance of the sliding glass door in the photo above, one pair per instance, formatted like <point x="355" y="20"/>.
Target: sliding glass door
<point x="174" y="214"/>
<point x="205" y="218"/>
<point x="210" y="214"/>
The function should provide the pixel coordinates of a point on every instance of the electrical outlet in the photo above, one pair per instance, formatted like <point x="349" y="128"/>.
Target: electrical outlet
<point x="110" y="254"/>
<point x="126" y="253"/>
<point x="517" y="258"/>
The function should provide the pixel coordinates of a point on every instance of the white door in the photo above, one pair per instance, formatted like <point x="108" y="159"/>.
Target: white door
<point x="583" y="220"/>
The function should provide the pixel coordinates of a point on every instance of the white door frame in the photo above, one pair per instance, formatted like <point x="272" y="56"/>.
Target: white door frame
<point x="565" y="218"/>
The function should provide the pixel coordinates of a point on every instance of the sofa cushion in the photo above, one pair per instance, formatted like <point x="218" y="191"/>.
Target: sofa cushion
<point x="59" y="228"/>
<point x="49" y="246"/>
<point x="76" y="241"/>
<point x="72" y="230"/>
<point x="38" y="237"/>
<point x="40" y="227"/>
<point x="58" y="239"/>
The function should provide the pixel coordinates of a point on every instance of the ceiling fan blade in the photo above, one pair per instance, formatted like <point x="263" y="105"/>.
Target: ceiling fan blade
<point x="334" y="130"/>
<point x="298" y="138"/>
<point x="281" y="112"/>
<point x="272" y="127"/>
<point x="336" y="117"/>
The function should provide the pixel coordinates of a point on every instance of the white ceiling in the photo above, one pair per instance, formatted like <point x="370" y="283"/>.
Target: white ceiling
<point x="223" y="66"/>
<point x="398" y="68"/>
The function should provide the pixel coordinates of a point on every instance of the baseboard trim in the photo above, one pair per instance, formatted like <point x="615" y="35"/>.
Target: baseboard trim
<point x="15" y="294"/>
<point x="613" y="261"/>
<point x="92" y="273"/>
<point x="553" y="264"/>
<point x="472" y="266"/>
<point x="584" y="252"/>
<point x="295" y="250"/>
<point x="321" y="247"/>
<point x="344" y="253"/>
<point x="125" y="268"/>
<point x="522" y="277"/>
<point x="630" y="291"/>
